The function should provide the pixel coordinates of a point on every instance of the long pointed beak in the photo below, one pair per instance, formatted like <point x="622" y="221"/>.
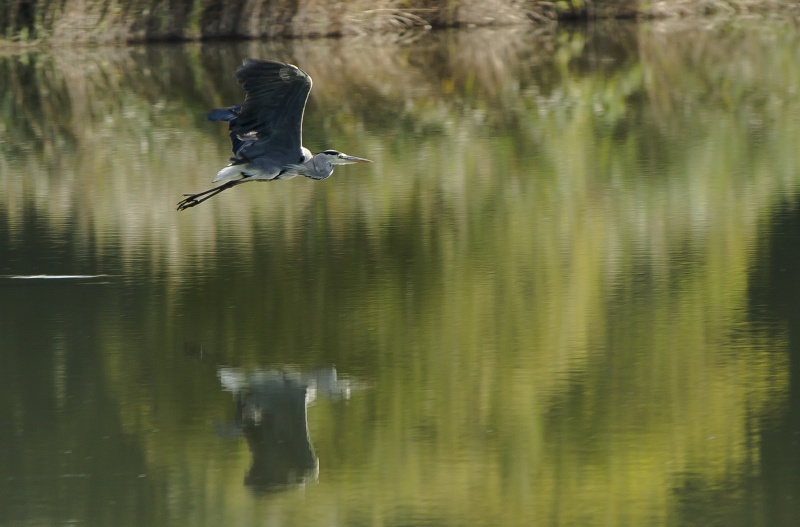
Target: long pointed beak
<point x="353" y="159"/>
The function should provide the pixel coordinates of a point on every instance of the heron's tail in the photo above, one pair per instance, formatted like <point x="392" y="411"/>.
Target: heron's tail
<point x="231" y="172"/>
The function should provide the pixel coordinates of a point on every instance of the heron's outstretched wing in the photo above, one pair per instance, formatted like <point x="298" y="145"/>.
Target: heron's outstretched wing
<point x="271" y="119"/>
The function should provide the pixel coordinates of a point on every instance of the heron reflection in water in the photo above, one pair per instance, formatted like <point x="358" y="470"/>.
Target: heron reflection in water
<point x="272" y="414"/>
<point x="266" y="131"/>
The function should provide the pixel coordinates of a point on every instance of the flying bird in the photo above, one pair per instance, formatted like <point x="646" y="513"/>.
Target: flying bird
<point x="266" y="131"/>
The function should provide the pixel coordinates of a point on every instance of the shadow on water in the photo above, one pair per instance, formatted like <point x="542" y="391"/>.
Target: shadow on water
<point x="776" y="293"/>
<point x="766" y="491"/>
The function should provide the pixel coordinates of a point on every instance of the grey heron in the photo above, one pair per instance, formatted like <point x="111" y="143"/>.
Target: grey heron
<point x="266" y="131"/>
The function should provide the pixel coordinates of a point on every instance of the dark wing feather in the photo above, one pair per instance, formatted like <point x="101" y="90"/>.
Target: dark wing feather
<point x="229" y="114"/>
<point x="271" y="119"/>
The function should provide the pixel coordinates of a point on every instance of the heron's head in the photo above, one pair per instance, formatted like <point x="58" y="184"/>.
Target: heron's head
<point x="337" y="158"/>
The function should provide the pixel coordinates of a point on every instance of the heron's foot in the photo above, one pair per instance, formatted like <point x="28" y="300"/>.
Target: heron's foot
<point x="189" y="200"/>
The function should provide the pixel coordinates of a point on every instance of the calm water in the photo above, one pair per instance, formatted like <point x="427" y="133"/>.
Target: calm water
<point x="565" y="293"/>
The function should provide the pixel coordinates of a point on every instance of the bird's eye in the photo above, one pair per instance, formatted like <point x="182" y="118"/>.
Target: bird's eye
<point x="331" y="152"/>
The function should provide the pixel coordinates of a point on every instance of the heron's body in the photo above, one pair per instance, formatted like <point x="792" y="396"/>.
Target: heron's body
<point x="260" y="169"/>
<point x="266" y="131"/>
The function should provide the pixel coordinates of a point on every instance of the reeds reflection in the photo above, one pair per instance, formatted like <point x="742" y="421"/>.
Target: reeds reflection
<point x="545" y="275"/>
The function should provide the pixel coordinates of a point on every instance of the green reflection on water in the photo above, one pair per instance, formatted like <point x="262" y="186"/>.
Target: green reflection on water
<point x="543" y="279"/>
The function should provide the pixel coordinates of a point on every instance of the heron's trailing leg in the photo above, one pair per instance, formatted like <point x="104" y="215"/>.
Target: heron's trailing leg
<point x="190" y="200"/>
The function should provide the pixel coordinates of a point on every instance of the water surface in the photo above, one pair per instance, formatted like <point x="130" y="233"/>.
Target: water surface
<point x="564" y="293"/>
